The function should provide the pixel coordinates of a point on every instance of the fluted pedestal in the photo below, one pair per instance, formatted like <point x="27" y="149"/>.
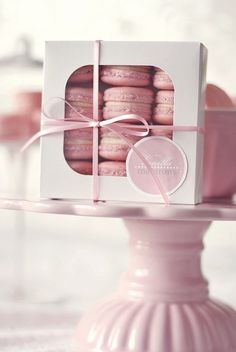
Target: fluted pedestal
<point x="162" y="304"/>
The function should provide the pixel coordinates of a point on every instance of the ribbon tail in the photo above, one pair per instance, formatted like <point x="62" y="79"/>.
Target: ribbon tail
<point x="65" y="126"/>
<point x="32" y="140"/>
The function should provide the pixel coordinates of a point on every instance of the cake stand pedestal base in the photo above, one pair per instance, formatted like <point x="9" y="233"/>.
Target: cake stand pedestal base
<point x="162" y="304"/>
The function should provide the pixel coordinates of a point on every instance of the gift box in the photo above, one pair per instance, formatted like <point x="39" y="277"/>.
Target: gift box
<point x="123" y="121"/>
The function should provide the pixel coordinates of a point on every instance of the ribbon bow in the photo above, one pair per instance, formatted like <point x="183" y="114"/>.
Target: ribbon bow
<point x="54" y="125"/>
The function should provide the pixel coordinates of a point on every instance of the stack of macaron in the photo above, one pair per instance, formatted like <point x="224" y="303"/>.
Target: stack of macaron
<point x="78" y="144"/>
<point x="164" y="109"/>
<point x="126" y="90"/>
<point x="129" y="95"/>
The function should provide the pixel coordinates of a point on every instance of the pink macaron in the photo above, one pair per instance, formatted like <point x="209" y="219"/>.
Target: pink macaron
<point x="217" y="97"/>
<point x="128" y="100"/>
<point x="83" y="74"/>
<point x="26" y="102"/>
<point x="81" y="99"/>
<point x="165" y="97"/>
<point x="163" y="114"/>
<point x="83" y="133"/>
<point x="161" y="80"/>
<point x="28" y="105"/>
<point x="112" y="168"/>
<point x="137" y="76"/>
<point x="14" y="127"/>
<point x="81" y="95"/>
<point x="113" y="109"/>
<point x="129" y="94"/>
<point x="83" y="109"/>
<point x="81" y="166"/>
<point x="78" y="144"/>
<point x="112" y="147"/>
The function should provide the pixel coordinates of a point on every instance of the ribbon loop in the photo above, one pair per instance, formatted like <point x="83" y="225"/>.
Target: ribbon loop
<point x="117" y="125"/>
<point x="53" y="125"/>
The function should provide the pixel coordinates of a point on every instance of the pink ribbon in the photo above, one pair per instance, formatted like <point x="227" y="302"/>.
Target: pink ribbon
<point x="60" y="125"/>
<point x="96" y="61"/>
<point x="55" y="125"/>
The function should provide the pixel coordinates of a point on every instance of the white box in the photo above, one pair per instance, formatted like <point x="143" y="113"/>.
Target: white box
<point x="185" y="62"/>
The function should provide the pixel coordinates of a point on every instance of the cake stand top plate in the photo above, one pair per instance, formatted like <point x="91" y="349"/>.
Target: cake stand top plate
<point x="209" y="210"/>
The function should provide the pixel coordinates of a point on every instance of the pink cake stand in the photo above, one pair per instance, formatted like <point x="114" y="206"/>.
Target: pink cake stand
<point x="162" y="304"/>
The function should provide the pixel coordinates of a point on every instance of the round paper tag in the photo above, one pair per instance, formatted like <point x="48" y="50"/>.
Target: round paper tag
<point x="166" y="159"/>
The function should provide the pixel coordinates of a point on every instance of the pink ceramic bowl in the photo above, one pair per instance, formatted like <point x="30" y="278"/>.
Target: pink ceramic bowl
<point x="220" y="153"/>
